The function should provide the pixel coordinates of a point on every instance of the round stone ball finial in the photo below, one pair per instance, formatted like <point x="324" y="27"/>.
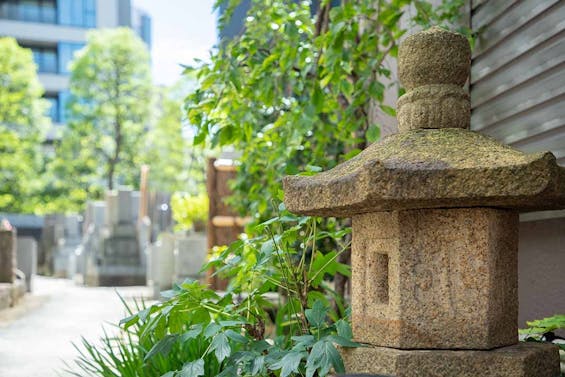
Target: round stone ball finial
<point x="434" y="56"/>
<point x="433" y="66"/>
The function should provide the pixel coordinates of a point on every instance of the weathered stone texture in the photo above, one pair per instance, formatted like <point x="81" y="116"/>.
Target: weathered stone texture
<point x="431" y="169"/>
<point x="5" y="295"/>
<point x="443" y="278"/>
<point x="520" y="360"/>
<point x="435" y="56"/>
<point x="7" y="256"/>
<point x="435" y="230"/>
<point x="434" y="106"/>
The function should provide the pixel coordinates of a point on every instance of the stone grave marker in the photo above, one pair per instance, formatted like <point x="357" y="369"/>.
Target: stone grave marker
<point x="27" y="259"/>
<point x="435" y="230"/>
<point x="7" y="252"/>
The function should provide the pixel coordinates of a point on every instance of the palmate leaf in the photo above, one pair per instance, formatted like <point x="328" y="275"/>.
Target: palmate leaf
<point x="257" y="365"/>
<point x="344" y="329"/>
<point x="317" y="315"/>
<point x="192" y="333"/>
<point x="322" y="358"/>
<point x="289" y="363"/>
<point x="192" y="369"/>
<point x="221" y="347"/>
<point x="544" y="325"/>
<point x="303" y="342"/>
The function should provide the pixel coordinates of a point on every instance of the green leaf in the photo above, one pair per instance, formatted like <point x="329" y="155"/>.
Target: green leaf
<point x="221" y="347"/>
<point x="326" y="264"/>
<point x="212" y="329"/>
<point x="318" y="99"/>
<point x="317" y="315"/>
<point x="544" y="325"/>
<point x="257" y="365"/>
<point x="313" y="169"/>
<point x="344" y="329"/>
<point x="303" y="342"/>
<point x="193" y="369"/>
<point x="352" y="153"/>
<point x="388" y="110"/>
<point x="373" y="133"/>
<point x="289" y="363"/>
<point x="236" y="337"/>
<point x="162" y="347"/>
<point x="129" y="321"/>
<point x="343" y="341"/>
<point x="322" y="358"/>
<point x="194" y="331"/>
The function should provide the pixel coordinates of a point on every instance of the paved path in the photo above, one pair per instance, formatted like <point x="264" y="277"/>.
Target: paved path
<point x="36" y="337"/>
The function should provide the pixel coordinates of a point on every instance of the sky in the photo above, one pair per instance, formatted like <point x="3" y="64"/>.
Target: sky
<point x="181" y="31"/>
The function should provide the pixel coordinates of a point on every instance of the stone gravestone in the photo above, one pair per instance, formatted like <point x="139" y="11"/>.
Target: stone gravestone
<point x="160" y="266"/>
<point x="7" y="253"/>
<point x="190" y="256"/>
<point x="27" y="259"/>
<point x="435" y="230"/>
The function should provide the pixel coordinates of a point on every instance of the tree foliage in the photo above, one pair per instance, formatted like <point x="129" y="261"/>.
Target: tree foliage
<point x="22" y="126"/>
<point x="295" y="92"/>
<point x="175" y="164"/>
<point x="108" y="110"/>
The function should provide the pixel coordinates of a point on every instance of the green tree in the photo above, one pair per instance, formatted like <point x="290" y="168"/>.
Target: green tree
<point x="303" y="88"/>
<point x="108" y="110"/>
<point x="294" y="92"/>
<point x="22" y="125"/>
<point x="175" y="165"/>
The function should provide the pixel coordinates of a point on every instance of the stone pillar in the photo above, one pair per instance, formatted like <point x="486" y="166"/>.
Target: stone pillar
<point x="435" y="230"/>
<point x="7" y="253"/>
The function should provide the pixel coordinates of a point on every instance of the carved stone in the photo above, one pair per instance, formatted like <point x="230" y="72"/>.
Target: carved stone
<point x="435" y="230"/>
<point x="437" y="278"/>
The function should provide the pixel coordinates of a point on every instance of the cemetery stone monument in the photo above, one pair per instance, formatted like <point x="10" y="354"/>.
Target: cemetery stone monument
<point x="434" y="213"/>
<point x="110" y="253"/>
<point x="27" y="259"/>
<point x="7" y="252"/>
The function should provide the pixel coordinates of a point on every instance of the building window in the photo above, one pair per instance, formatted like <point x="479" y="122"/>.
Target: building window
<point x="81" y="13"/>
<point x="66" y="54"/>
<point x="45" y="58"/>
<point x="53" y="111"/>
<point x="29" y="10"/>
<point x="62" y="103"/>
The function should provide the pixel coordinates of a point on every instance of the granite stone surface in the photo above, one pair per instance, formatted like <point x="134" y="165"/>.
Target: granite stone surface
<point x="435" y="56"/>
<point x="7" y="256"/>
<point x="435" y="279"/>
<point x="520" y="360"/>
<point x="431" y="169"/>
<point x="435" y="230"/>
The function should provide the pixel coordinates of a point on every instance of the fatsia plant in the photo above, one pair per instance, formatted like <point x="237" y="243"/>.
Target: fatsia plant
<point x="247" y="330"/>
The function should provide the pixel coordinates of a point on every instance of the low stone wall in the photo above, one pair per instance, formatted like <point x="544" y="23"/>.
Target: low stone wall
<point x="11" y="293"/>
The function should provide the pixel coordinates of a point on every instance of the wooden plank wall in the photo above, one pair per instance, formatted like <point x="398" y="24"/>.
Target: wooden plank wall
<point x="518" y="73"/>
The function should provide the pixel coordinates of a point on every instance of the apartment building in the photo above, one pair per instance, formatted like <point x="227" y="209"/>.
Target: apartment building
<point x="55" y="29"/>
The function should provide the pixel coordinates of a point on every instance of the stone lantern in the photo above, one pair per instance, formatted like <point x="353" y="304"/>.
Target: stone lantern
<point x="434" y="212"/>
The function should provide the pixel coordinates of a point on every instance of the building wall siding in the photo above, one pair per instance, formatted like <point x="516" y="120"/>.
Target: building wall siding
<point x="518" y="73"/>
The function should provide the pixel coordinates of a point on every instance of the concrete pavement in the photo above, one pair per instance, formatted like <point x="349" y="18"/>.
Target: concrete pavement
<point x="36" y="337"/>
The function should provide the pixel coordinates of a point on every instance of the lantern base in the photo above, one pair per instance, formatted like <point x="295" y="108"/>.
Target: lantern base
<point x="519" y="360"/>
